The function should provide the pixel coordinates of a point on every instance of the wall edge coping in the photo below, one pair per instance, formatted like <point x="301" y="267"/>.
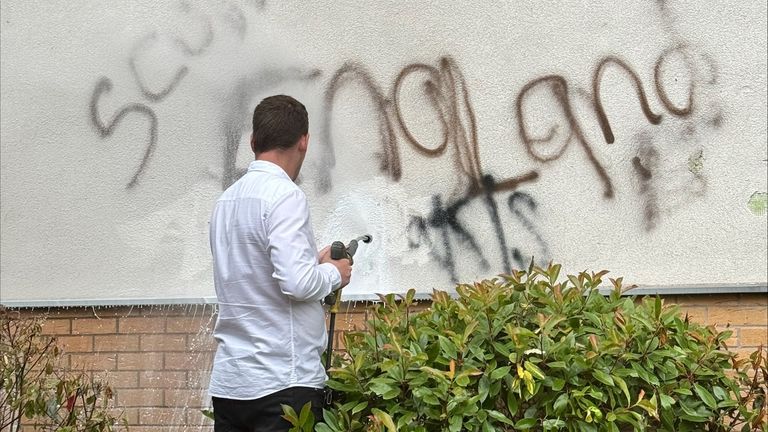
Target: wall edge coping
<point x="693" y="289"/>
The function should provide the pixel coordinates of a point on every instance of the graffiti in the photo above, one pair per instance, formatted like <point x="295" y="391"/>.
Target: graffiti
<point x="233" y="15"/>
<point x="601" y="115"/>
<point x="661" y="91"/>
<point x="644" y="164"/>
<point x="389" y="157"/>
<point x="493" y="212"/>
<point x="559" y="87"/>
<point x="186" y="8"/>
<point x="444" y="219"/>
<point x="519" y="203"/>
<point x="448" y="94"/>
<point x="445" y="223"/>
<point x="153" y="96"/>
<point x="236" y="20"/>
<point x="145" y="43"/>
<point x="107" y="129"/>
<point x="446" y="232"/>
<point x="462" y="136"/>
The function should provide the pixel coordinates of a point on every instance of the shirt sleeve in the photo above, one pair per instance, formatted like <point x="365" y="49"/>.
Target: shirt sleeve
<point x="291" y="246"/>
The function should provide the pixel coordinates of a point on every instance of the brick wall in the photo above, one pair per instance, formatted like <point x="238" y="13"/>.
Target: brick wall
<point x="157" y="358"/>
<point x="744" y="314"/>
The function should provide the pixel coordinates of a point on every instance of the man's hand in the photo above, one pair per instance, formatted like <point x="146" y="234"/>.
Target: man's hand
<point x="325" y="254"/>
<point x="343" y="265"/>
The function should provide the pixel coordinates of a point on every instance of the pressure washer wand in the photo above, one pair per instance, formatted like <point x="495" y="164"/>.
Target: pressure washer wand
<point x="339" y="251"/>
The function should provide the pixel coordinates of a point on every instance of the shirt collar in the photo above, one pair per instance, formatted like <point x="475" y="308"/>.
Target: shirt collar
<point x="268" y="167"/>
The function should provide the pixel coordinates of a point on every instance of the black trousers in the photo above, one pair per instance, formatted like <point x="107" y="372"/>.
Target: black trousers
<point x="265" y="414"/>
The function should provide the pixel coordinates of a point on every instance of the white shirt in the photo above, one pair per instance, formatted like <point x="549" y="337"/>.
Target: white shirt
<point x="271" y="325"/>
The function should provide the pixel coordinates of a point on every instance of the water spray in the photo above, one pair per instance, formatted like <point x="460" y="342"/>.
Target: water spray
<point x="339" y="251"/>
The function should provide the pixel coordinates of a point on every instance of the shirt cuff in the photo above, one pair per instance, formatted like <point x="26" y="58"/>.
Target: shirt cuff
<point x="333" y="274"/>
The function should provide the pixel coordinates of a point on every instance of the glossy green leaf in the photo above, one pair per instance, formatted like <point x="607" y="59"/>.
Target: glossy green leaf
<point x="705" y="396"/>
<point x="602" y="377"/>
<point x="525" y="424"/>
<point x="500" y="372"/>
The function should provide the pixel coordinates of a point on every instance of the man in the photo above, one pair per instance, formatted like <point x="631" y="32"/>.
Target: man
<point x="269" y="281"/>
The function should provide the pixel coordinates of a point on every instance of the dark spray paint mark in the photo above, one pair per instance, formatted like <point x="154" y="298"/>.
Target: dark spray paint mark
<point x="445" y="218"/>
<point x="644" y="165"/>
<point x="448" y="94"/>
<point x="662" y="93"/>
<point x="519" y="203"/>
<point x="447" y="91"/>
<point x="207" y="41"/>
<point x="717" y="120"/>
<point x="439" y="219"/>
<point x="644" y="173"/>
<point x="490" y="188"/>
<point x="707" y="74"/>
<point x="104" y="85"/>
<point x="467" y="145"/>
<point x="515" y="182"/>
<point x="433" y="89"/>
<point x="236" y="20"/>
<point x="149" y="94"/>
<point x="239" y="108"/>
<point x="559" y="87"/>
<point x="668" y="18"/>
<point x="418" y="227"/>
<point x="713" y="68"/>
<point x="388" y="157"/>
<point x="643" y="99"/>
<point x="493" y="212"/>
<point x="445" y="222"/>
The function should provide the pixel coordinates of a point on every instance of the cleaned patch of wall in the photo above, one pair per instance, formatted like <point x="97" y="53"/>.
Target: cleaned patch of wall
<point x="466" y="138"/>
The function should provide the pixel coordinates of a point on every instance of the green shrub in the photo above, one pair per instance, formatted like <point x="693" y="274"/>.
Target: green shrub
<point x="531" y="352"/>
<point x="32" y="386"/>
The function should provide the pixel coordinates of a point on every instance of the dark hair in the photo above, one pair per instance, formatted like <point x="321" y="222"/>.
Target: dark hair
<point x="278" y="123"/>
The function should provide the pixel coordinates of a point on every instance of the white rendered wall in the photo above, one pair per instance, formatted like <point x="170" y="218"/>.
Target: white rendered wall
<point x="123" y="121"/>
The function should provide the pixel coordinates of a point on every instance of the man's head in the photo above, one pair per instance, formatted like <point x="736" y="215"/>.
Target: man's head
<point x="280" y="132"/>
<point x="279" y="122"/>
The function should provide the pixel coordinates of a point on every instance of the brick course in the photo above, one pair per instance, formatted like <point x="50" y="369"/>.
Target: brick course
<point x="157" y="358"/>
<point x="163" y="342"/>
<point x="116" y="343"/>
<point x="753" y="336"/>
<point x="57" y="327"/>
<point x="162" y="379"/>
<point x="94" y="326"/>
